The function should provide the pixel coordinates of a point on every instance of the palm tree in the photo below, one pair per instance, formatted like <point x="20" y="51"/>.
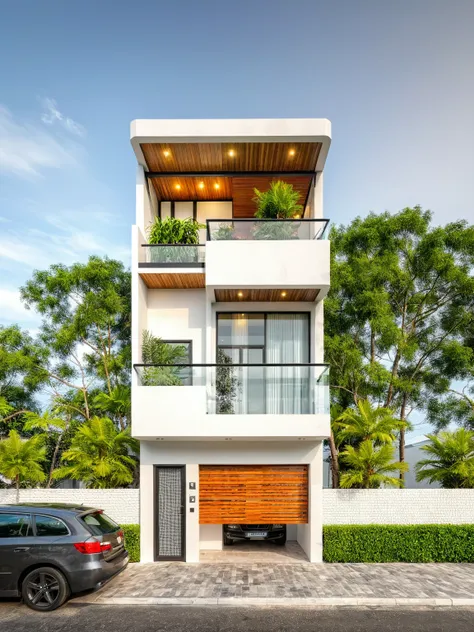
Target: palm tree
<point x="20" y="459"/>
<point x="100" y="455"/>
<point x="117" y="403"/>
<point x="168" y="359"/>
<point x="370" y="466"/>
<point x="452" y="459"/>
<point x="50" y="423"/>
<point x="366" y="423"/>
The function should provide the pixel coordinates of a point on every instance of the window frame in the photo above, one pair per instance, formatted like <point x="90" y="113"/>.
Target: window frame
<point x="37" y="535"/>
<point x="18" y="513"/>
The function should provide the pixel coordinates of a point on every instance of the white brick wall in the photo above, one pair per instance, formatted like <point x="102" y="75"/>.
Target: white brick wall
<point x="398" y="506"/>
<point x="340" y="506"/>
<point x="120" y="504"/>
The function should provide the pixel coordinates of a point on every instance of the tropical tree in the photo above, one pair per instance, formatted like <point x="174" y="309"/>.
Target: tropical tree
<point x="367" y="423"/>
<point x="401" y="300"/>
<point x="21" y="459"/>
<point x="117" y="404"/>
<point x="85" y="332"/>
<point x="370" y="466"/>
<point x="54" y="427"/>
<point x="100" y="455"/>
<point x="167" y="359"/>
<point x="451" y="459"/>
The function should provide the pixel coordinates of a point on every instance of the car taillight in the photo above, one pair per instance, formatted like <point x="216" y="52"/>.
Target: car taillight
<point x="120" y="533"/>
<point x="93" y="546"/>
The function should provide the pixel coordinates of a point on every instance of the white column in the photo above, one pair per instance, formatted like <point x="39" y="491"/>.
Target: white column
<point x="315" y="509"/>
<point x="192" y="518"/>
<point x="147" y="517"/>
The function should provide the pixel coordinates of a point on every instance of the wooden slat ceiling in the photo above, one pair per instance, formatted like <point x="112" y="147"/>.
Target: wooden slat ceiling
<point x="174" y="281"/>
<point x="242" y="191"/>
<point x="229" y="296"/>
<point x="201" y="157"/>
<point x="253" y="494"/>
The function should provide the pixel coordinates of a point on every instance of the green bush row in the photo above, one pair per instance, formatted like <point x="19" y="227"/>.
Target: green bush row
<point x="131" y="534"/>
<point x="376" y="543"/>
<point x="398" y="543"/>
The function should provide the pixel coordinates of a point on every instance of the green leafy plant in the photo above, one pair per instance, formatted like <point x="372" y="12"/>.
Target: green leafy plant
<point x="366" y="422"/>
<point x="451" y="461"/>
<point x="174" y="231"/>
<point x="100" y="455"/>
<point x="369" y="466"/>
<point x="398" y="543"/>
<point x="21" y="459"/>
<point x="226" y="384"/>
<point x="156" y="351"/>
<point x="281" y="201"/>
<point x="131" y="534"/>
<point x="225" y="232"/>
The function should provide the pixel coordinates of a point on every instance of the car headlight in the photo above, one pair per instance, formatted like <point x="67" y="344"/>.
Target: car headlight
<point x="232" y="526"/>
<point x="278" y="526"/>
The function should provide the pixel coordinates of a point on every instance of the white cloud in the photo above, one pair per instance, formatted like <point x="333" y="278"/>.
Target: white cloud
<point x="4" y="220"/>
<point x="51" y="115"/>
<point x="26" y="149"/>
<point x="12" y="309"/>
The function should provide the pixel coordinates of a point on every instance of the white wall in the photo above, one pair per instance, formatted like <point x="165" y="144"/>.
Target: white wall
<point x="212" y="210"/>
<point x="398" y="506"/>
<point x="210" y="537"/>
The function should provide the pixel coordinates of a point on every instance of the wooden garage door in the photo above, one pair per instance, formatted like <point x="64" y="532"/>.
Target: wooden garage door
<point x="253" y="494"/>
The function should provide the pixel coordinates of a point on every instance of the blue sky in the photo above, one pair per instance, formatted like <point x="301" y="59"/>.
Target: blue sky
<point x="395" y="78"/>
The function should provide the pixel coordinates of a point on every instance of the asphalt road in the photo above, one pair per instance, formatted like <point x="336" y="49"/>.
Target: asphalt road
<point x="77" y="618"/>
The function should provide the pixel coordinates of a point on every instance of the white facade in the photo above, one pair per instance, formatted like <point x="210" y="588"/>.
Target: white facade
<point x="181" y="425"/>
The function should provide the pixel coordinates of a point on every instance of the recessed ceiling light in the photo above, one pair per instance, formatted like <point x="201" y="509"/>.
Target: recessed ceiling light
<point x="178" y="186"/>
<point x="166" y="153"/>
<point x="201" y="185"/>
<point x="240" y="294"/>
<point x="283" y="294"/>
<point x="292" y="152"/>
<point x="216" y="186"/>
<point x="231" y="153"/>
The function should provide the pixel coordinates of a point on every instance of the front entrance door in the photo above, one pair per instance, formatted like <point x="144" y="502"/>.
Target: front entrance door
<point x="170" y="513"/>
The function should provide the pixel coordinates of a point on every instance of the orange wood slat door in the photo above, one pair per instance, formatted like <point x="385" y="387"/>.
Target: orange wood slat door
<point x="253" y="494"/>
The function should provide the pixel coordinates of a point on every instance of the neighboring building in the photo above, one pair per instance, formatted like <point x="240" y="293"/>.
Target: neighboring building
<point x="240" y="442"/>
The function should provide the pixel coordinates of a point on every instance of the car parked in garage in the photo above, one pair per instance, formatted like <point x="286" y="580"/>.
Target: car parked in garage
<point x="50" y="551"/>
<point x="272" y="532"/>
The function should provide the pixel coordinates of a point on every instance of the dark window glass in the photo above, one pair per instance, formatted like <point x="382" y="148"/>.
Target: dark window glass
<point x="99" y="523"/>
<point x="240" y="329"/>
<point x="47" y="525"/>
<point x="15" y="525"/>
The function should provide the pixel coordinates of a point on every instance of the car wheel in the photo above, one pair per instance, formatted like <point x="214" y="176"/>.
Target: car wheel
<point x="281" y="541"/>
<point x="44" y="589"/>
<point x="228" y="541"/>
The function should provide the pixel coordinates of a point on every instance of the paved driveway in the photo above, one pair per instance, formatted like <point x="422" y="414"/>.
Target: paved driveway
<point x="257" y="551"/>
<point x="297" y="583"/>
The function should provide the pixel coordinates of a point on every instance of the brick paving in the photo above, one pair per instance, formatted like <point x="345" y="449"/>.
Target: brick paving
<point x="256" y="551"/>
<point x="175" y="582"/>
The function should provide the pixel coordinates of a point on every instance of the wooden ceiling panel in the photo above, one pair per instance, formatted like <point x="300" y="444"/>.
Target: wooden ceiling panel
<point x="202" y="157"/>
<point x="174" y="281"/>
<point x="186" y="188"/>
<point x="243" y="194"/>
<point x="230" y="296"/>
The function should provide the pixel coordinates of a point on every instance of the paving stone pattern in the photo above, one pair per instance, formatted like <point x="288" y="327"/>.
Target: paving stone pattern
<point x="290" y="581"/>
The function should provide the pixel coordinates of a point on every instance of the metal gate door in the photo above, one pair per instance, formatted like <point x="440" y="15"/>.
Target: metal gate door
<point x="170" y="513"/>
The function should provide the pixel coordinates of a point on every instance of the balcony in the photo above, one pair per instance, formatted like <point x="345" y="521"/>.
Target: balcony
<point x="265" y="260"/>
<point x="172" y="255"/>
<point x="231" y="401"/>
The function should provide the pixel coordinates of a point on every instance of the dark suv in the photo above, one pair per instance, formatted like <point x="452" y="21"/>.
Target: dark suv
<point x="273" y="532"/>
<point x="48" y="552"/>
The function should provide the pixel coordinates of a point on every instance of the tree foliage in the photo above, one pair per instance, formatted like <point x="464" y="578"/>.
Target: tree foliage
<point x="451" y="459"/>
<point x="21" y="459"/>
<point x="370" y="466"/>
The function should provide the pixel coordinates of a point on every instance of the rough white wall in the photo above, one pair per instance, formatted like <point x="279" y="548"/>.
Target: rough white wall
<point x="120" y="504"/>
<point x="398" y="506"/>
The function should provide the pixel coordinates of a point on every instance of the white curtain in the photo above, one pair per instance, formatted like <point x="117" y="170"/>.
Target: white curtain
<point x="287" y="388"/>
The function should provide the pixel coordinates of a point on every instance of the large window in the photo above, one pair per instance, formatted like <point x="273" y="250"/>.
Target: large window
<point x="252" y="341"/>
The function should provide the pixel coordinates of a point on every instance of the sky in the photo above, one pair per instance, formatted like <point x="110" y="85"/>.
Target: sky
<point x="396" y="79"/>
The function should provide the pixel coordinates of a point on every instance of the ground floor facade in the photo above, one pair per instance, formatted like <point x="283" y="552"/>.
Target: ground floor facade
<point x="189" y="489"/>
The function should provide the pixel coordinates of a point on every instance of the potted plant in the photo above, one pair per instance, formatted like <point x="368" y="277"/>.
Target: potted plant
<point x="281" y="201"/>
<point x="172" y="231"/>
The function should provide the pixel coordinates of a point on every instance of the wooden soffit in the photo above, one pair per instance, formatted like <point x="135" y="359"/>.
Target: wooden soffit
<point x="281" y="295"/>
<point x="231" y="157"/>
<point x="174" y="281"/>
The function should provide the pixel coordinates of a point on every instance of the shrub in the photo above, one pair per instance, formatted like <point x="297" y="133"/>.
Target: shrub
<point x="398" y="543"/>
<point x="132" y="540"/>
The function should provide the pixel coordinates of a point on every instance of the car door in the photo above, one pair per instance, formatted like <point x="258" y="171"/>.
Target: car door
<point x="53" y="541"/>
<point x="16" y="546"/>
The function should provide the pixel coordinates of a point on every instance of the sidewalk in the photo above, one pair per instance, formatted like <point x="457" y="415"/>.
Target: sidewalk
<point x="301" y="584"/>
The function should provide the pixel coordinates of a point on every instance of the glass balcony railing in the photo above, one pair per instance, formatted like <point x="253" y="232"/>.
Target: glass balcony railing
<point x="173" y="254"/>
<point x="254" y="389"/>
<point x="266" y="229"/>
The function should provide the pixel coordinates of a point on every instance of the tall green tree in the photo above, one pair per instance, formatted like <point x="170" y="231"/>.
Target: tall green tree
<point x="401" y="298"/>
<point x="450" y="460"/>
<point x="370" y="466"/>
<point x="100" y="455"/>
<point x="85" y="329"/>
<point x="21" y="459"/>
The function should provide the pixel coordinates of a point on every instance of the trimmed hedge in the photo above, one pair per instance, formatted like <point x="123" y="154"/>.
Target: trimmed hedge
<point x="398" y="543"/>
<point x="131" y="534"/>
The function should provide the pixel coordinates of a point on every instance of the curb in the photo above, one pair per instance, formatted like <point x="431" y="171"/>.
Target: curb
<point x="390" y="602"/>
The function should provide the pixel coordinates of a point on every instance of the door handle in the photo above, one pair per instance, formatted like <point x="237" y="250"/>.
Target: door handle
<point x="20" y="549"/>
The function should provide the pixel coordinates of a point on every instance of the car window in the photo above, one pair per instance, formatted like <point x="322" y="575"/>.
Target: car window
<point x="47" y="525"/>
<point x="98" y="523"/>
<point x="15" y="525"/>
